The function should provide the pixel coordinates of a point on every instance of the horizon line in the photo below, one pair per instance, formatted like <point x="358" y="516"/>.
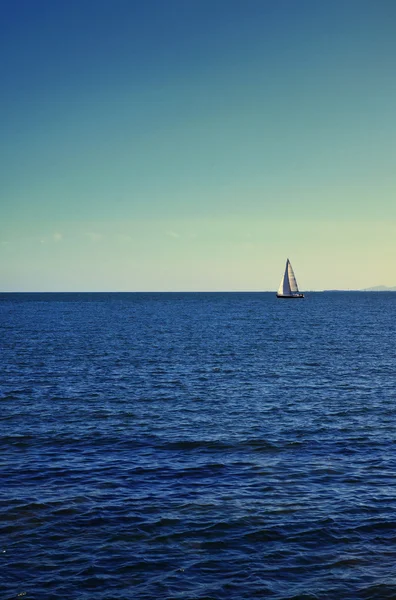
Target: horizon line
<point x="313" y="291"/>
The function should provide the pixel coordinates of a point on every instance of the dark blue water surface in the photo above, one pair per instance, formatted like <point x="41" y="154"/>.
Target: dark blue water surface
<point x="198" y="446"/>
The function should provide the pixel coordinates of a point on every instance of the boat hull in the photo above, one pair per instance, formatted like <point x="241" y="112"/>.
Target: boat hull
<point x="293" y="297"/>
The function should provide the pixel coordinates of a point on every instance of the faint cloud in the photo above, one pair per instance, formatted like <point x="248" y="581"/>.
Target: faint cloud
<point x="124" y="238"/>
<point x="93" y="236"/>
<point x="5" y="243"/>
<point x="57" y="237"/>
<point x="173" y="234"/>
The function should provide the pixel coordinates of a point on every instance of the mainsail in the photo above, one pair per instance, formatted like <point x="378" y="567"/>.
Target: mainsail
<point x="292" y="278"/>
<point x="288" y="285"/>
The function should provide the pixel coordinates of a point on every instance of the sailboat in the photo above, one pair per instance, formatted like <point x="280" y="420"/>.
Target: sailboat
<point x="288" y="286"/>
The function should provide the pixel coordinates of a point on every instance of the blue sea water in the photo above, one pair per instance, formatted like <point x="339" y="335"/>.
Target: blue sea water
<point x="197" y="446"/>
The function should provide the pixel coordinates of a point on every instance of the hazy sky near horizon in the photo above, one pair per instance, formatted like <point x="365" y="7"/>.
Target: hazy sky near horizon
<point x="196" y="144"/>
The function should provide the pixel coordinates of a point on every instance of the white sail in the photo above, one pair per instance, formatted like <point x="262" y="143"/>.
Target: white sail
<point x="284" y="287"/>
<point x="292" y="278"/>
<point x="288" y="286"/>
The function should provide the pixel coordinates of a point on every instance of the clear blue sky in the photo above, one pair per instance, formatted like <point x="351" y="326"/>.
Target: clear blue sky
<point x="195" y="144"/>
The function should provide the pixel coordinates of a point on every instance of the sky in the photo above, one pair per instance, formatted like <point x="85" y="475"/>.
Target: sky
<point x="170" y="145"/>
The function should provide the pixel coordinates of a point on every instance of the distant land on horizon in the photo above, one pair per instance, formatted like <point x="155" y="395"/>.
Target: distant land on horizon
<point x="376" y="288"/>
<point x="380" y="288"/>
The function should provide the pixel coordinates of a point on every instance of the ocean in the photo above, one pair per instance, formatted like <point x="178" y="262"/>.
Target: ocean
<point x="200" y="446"/>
